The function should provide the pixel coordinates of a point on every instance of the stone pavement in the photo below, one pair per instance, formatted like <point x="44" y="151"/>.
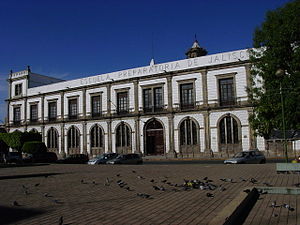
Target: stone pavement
<point x="79" y="194"/>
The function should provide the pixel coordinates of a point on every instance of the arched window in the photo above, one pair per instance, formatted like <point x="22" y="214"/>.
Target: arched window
<point x="96" y="137"/>
<point x="123" y="136"/>
<point x="188" y="132"/>
<point x="229" y="130"/>
<point x="73" y="137"/>
<point x="52" y="138"/>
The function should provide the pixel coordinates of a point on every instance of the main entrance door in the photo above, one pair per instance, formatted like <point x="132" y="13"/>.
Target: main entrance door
<point x="154" y="138"/>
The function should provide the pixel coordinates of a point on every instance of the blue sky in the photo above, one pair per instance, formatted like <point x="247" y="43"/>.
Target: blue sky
<point x="71" y="39"/>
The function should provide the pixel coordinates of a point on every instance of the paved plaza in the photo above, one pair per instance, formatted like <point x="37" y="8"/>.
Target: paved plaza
<point x="87" y="194"/>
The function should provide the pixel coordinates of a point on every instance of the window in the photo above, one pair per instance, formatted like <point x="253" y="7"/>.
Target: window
<point x="33" y="113"/>
<point x="228" y="130"/>
<point x="96" y="137"/>
<point x="52" y="138"/>
<point x="17" y="115"/>
<point x="123" y="135"/>
<point x="73" y="109"/>
<point x="122" y="100"/>
<point x="96" y="106"/>
<point x="188" y="132"/>
<point x="18" y="89"/>
<point x="73" y="137"/>
<point x="52" y="111"/>
<point x="187" y="96"/>
<point x="153" y="99"/>
<point x="226" y="92"/>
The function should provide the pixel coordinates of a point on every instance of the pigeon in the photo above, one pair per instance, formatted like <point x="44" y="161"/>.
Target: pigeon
<point x="36" y="185"/>
<point x="155" y="188"/>
<point x="118" y="175"/>
<point x="297" y="185"/>
<point x="24" y="187"/>
<point x="129" y="189"/>
<point x="261" y="192"/>
<point x="57" y="201"/>
<point x="205" y="178"/>
<point x="209" y="195"/>
<point x="242" y="179"/>
<point x="46" y="176"/>
<point x="274" y="215"/>
<point x="288" y="207"/>
<point x="15" y="203"/>
<point x="61" y="220"/>
<point x="140" y="177"/>
<point x="83" y="182"/>
<point x="267" y="184"/>
<point x="221" y="188"/>
<point x="47" y="195"/>
<point x="107" y="182"/>
<point x="94" y="182"/>
<point x="26" y="192"/>
<point x="164" y="181"/>
<point x="247" y="191"/>
<point x="133" y="171"/>
<point x="152" y="181"/>
<point x="274" y="205"/>
<point x="142" y="195"/>
<point x="253" y="181"/>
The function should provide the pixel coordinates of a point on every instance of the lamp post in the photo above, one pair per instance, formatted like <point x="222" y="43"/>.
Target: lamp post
<point x="280" y="73"/>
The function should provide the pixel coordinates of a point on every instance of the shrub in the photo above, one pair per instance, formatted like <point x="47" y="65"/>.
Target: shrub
<point x="32" y="147"/>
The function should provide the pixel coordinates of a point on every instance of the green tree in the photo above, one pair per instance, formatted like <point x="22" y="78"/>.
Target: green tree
<point x="276" y="46"/>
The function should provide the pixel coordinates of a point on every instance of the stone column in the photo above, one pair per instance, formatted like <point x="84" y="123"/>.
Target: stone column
<point x="25" y="113"/>
<point x="170" y="100"/>
<point x="137" y="135"/>
<point x="136" y="96"/>
<point x="204" y="87"/>
<point x="108" y="89"/>
<point x="252" y="138"/>
<point x="84" y="138"/>
<point x="109" y="135"/>
<point x="84" y="103"/>
<point x="171" y="153"/>
<point x="43" y="117"/>
<point x="62" y="141"/>
<point x="62" y="103"/>
<point x="207" y="149"/>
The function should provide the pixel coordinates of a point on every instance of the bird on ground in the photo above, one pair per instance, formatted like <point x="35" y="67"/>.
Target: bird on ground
<point x="57" y="201"/>
<point x="267" y="184"/>
<point x="253" y="181"/>
<point x="164" y="181"/>
<point x="152" y="181"/>
<point x="47" y="195"/>
<point x="107" y="182"/>
<point x="221" y="188"/>
<point x="61" y="220"/>
<point x="297" y="185"/>
<point x="26" y="192"/>
<point x="242" y="179"/>
<point x="24" y="187"/>
<point x="129" y="189"/>
<point x="143" y="195"/>
<point x="274" y="205"/>
<point x="15" y="203"/>
<point x="288" y="207"/>
<point x="247" y="191"/>
<point x="133" y="171"/>
<point x="36" y="185"/>
<point x="209" y="195"/>
<point x="205" y="178"/>
<point x="94" y="182"/>
<point x="83" y="182"/>
<point x="118" y="175"/>
<point x="140" y="177"/>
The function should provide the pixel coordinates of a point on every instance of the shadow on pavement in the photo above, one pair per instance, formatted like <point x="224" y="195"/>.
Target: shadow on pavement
<point x="28" y="175"/>
<point x="9" y="215"/>
<point x="12" y="165"/>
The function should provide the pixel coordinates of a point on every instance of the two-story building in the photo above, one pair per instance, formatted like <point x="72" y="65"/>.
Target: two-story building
<point x="187" y="108"/>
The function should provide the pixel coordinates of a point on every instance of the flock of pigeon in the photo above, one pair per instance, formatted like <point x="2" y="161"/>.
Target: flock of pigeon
<point x="166" y="186"/>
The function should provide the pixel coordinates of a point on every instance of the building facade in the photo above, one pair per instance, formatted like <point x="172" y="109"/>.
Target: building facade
<point x="188" y="108"/>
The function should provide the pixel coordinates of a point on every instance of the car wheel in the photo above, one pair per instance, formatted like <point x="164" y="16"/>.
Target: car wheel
<point x="262" y="161"/>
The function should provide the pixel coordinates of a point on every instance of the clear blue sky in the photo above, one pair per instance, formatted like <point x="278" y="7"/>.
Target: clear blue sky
<point x="71" y="39"/>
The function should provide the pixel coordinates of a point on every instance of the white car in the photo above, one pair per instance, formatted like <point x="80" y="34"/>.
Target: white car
<point x="102" y="159"/>
<point x="247" y="157"/>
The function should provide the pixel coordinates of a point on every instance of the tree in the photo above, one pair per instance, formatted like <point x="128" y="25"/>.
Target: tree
<point x="276" y="46"/>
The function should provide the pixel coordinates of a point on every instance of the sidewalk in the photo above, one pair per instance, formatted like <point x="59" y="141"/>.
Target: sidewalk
<point x="81" y="194"/>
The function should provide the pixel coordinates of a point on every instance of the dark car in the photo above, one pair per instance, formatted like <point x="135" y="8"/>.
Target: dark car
<point x="126" y="159"/>
<point x="13" y="157"/>
<point x="247" y="157"/>
<point x="75" y="159"/>
<point x="43" y="157"/>
<point x="102" y="159"/>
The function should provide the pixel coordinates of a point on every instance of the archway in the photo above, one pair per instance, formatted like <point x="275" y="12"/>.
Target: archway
<point x="73" y="140"/>
<point x="123" y="139"/>
<point x="189" y="137"/>
<point x="154" y="135"/>
<point x="229" y="135"/>
<point x="96" y="140"/>
<point x="52" y="140"/>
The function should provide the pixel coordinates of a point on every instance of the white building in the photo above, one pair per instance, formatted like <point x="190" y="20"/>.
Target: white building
<point x="187" y="108"/>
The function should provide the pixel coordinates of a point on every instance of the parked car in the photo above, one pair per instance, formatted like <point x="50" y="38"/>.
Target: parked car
<point x="75" y="159"/>
<point x="13" y="157"/>
<point x="43" y="157"/>
<point x="247" y="157"/>
<point x="102" y="159"/>
<point x="126" y="159"/>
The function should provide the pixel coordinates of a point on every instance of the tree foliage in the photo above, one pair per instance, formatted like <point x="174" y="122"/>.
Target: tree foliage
<point x="276" y="46"/>
<point x="32" y="147"/>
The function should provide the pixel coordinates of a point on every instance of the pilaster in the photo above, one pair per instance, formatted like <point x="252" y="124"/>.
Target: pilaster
<point x="207" y="149"/>
<point x="62" y="140"/>
<point x="170" y="100"/>
<point x="136" y="96"/>
<point x="109" y="136"/>
<point x="137" y="135"/>
<point x="204" y="87"/>
<point x="84" y="103"/>
<point x="62" y="103"/>
<point x="108" y="89"/>
<point x="171" y="153"/>
<point x="84" y="138"/>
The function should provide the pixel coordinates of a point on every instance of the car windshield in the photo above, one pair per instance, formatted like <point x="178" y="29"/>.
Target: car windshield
<point x="240" y="155"/>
